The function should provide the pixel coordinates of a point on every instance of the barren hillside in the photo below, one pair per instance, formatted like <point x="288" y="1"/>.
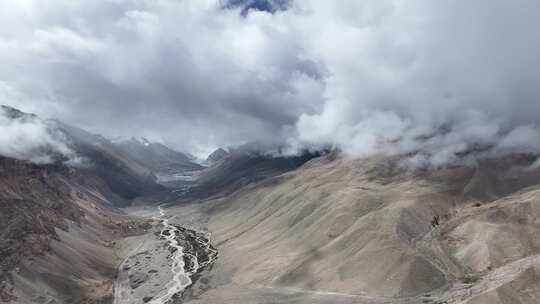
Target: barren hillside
<point x="57" y="234"/>
<point x="376" y="228"/>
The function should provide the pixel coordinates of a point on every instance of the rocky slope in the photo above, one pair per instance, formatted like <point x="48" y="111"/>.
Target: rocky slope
<point x="101" y="157"/>
<point x="57" y="231"/>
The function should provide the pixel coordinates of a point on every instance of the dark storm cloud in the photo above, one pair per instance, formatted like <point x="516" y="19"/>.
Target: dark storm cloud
<point x="368" y="76"/>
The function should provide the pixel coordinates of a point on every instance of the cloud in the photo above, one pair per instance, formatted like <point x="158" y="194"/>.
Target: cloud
<point x="25" y="136"/>
<point x="370" y="76"/>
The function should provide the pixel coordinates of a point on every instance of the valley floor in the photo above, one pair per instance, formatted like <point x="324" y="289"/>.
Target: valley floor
<point x="165" y="263"/>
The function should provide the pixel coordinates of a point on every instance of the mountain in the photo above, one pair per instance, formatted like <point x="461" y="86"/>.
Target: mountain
<point x="241" y="167"/>
<point x="60" y="187"/>
<point x="51" y="141"/>
<point x="13" y="113"/>
<point x="379" y="230"/>
<point x="131" y="168"/>
<point x="58" y="218"/>
<point x="122" y="173"/>
<point x="318" y="227"/>
<point x="216" y="156"/>
<point x="157" y="157"/>
<point x="26" y="136"/>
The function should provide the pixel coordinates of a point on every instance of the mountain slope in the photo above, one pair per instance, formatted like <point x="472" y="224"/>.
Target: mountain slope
<point x="373" y="227"/>
<point x="13" y="113"/>
<point x="29" y="137"/>
<point x="58" y="222"/>
<point x="242" y="167"/>
<point x="124" y="175"/>
<point x="157" y="157"/>
<point x="57" y="231"/>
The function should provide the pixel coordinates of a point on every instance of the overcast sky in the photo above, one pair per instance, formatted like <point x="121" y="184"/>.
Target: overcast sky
<point x="197" y="74"/>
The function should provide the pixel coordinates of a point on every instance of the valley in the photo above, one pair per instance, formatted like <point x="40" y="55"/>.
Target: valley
<point x="269" y="152"/>
<point x="249" y="227"/>
<point x="362" y="231"/>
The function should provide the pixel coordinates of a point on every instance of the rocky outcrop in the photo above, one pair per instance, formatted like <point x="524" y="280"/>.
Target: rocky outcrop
<point x="13" y="113"/>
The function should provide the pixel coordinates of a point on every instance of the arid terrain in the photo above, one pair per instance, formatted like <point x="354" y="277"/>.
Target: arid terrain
<point x="269" y="152"/>
<point x="58" y="235"/>
<point x="250" y="227"/>
<point x="334" y="230"/>
<point x="373" y="231"/>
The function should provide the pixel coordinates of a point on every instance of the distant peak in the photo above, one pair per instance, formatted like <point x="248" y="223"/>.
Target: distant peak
<point x="144" y="141"/>
<point x="217" y="155"/>
<point x="14" y="113"/>
<point x="138" y="140"/>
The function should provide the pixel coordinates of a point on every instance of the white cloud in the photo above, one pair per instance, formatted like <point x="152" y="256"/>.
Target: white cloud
<point x="27" y="137"/>
<point x="369" y="76"/>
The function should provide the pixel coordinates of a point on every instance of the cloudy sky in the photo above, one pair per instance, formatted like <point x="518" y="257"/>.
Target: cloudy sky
<point x="368" y="76"/>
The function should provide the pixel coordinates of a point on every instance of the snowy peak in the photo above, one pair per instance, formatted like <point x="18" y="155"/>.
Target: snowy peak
<point x="159" y="158"/>
<point x="141" y="140"/>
